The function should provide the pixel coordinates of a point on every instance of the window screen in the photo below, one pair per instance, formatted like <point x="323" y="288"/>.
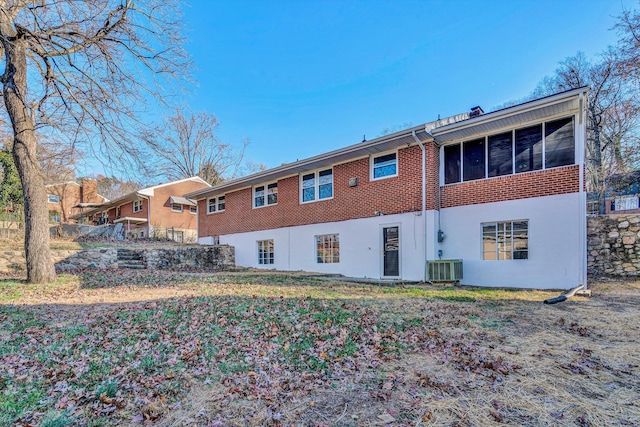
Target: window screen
<point x="559" y="143"/>
<point x="529" y="149"/>
<point x="473" y="166"/>
<point x="500" y="154"/>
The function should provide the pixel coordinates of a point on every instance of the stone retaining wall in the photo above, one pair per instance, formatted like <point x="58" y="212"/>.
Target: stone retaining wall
<point x="217" y="257"/>
<point x="613" y="243"/>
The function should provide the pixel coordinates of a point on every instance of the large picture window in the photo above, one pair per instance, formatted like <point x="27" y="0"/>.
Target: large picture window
<point x="327" y="248"/>
<point x="505" y="240"/>
<point x="265" y="195"/>
<point x="317" y="185"/>
<point x="452" y="163"/>
<point x="215" y="204"/>
<point x="266" y="253"/>
<point x="542" y="146"/>
<point x="384" y="166"/>
<point x="500" y="154"/>
<point x="473" y="159"/>
<point x="559" y="143"/>
<point x="529" y="149"/>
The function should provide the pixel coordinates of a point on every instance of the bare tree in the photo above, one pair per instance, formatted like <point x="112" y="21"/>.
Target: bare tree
<point x="81" y="71"/>
<point x="186" y="145"/>
<point x="612" y="113"/>
<point x="112" y="187"/>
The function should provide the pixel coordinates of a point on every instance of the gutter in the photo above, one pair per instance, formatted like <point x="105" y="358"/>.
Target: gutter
<point x="424" y="192"/>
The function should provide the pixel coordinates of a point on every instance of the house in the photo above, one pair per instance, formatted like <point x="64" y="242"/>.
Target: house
<point x="160" y="211"/>
<point x="500" y="191"/>
<point x="64" y="199"/>
<point x="622" y="193"/>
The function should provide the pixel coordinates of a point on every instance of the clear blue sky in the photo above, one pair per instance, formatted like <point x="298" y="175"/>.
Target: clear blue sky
<point x="299" y="78"/>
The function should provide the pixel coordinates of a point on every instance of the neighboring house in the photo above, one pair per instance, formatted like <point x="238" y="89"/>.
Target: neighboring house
<point x="160" y="211"/>
<point x="64" y="199"/>
<point x="500" y="191"/>
<point x="622" y="193"/>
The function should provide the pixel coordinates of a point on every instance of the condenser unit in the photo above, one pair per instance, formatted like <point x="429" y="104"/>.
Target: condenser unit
<point x="444" y="270"/>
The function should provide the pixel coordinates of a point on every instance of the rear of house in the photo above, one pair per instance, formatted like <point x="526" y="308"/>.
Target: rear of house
<point x="499" y="191"/>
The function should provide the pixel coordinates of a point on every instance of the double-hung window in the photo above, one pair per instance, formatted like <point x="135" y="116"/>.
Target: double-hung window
<point x="505" y="240"/>
<point x="327" y="248"/>
<point x="137" y="205"/>
<point x="265" y="195"/>
<point x="384" y="166"/>
<point x="317" y="185"/>
<point x="266" y="252"/>
<point x="215" y="204"/>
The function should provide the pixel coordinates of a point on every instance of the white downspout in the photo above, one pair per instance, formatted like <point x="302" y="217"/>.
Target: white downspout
<point x="583" y="194"/>
<point x="424" y="195"/>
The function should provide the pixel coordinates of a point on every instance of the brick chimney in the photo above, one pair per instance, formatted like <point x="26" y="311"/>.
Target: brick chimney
<point x="89" y="191"/>
<point x="475" y="112"/>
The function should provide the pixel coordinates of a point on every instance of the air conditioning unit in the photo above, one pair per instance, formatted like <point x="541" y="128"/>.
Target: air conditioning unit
<point x="444" y="270"/>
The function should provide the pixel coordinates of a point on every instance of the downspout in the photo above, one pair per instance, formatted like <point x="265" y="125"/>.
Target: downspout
<point x="149" y="217"/>
<point x="583" y="194"/>
<point x="424" y="194"/>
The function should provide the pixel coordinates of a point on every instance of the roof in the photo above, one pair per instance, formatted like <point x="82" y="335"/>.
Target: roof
<point x="511" y="117"/>
<point x="143" y="193"/>
<point x="177" y="200"/>
<point x="130" y="219"/>
<point x="442" y="131"/>
<point x="363" y="149"/>
<point x="63" y="183"/>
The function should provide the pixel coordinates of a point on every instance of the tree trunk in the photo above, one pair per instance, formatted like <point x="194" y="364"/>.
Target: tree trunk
<point x="40" y="267"/>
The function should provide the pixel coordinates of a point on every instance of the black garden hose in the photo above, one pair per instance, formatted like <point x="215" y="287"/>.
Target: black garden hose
<point x="563" y="297"/>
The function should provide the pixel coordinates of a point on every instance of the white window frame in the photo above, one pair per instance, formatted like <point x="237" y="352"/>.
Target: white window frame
<point x="216" y="204"/>
<point x="324" y="237"/>
<point x="372" y="168"/>
<point x="55" y="196"/>
<point x="180" y="209"/>
<point x="268" y="256"/>
<point x="193" y="210"/>
<point x="512" y="244"/>
<point x="316" y="185"/>
<point x="265" y="195"/>
<point x="137" y="206"/>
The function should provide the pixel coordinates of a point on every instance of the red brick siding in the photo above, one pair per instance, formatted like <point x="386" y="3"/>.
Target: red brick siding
<point x="391" y="196"/>
<point x="512" y="187"/>
<point x="161" y="213"/>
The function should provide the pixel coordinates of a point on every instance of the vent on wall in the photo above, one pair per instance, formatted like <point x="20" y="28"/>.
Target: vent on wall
<point x="444" y="270"/>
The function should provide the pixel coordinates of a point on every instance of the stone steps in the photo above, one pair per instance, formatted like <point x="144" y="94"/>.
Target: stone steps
<point x="131" y="259"/>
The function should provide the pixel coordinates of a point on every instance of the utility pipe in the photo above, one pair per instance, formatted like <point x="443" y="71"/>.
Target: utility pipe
<point x="424" y="195"/>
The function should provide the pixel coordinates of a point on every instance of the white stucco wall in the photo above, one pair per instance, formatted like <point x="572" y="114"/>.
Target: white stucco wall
<point x="554" y="242"/>
<point x="360" y="246"/>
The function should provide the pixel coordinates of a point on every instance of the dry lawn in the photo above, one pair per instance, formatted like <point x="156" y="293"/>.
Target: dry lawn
<point x="274" y="349"/>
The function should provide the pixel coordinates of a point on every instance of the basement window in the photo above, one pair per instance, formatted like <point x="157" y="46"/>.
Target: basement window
<point x="327" y="248"/>
<point x="507" y="240"/>
<point x="266" y="252"/>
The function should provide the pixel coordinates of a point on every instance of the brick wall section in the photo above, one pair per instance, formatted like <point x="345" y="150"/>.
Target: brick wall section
<point x="161" y="213"/>
<point x="391" y="196"/>
<point x="69" y="196"/>
<point x="513" y="187"/>
<point x="89" y="191"/>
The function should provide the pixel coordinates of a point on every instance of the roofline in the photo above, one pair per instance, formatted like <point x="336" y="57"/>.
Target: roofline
<point x="508" y="111"/>
<point x="191" y="178"/>
<point x="200" y="194"/>
<point x="63" y="183"/>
